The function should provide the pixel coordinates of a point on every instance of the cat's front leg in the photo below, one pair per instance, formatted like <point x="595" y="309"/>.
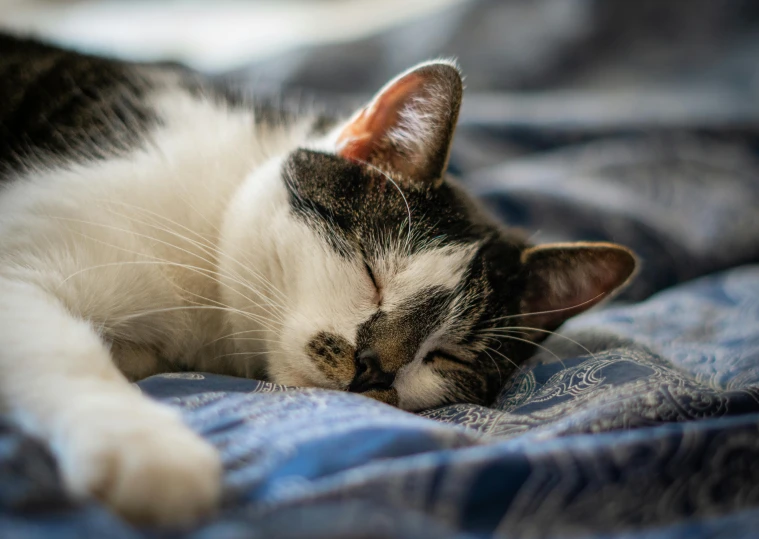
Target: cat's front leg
<point x="137" y="457"/>
<point x="58" y="382"/>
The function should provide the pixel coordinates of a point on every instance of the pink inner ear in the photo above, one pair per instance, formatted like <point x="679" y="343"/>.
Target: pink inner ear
<point x="559" y="306"/>
<point x="567" y="281"/>
<point x="366" y="134"/>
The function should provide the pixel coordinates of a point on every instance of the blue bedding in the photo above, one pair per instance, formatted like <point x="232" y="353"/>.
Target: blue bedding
<point x="639" y="419"/>
<point x="653" y="431"/>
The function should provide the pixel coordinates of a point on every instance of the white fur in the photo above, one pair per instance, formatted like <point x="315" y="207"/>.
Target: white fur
<point x="317" y="290"/>
<point x="104" y="250"/>
<point x="418" y="386"/>
<point x="185" y="249"/>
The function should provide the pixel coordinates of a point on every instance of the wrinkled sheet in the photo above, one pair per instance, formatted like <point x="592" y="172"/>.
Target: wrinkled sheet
<point x="641" y="418"/>
<point x="653" y="431"/>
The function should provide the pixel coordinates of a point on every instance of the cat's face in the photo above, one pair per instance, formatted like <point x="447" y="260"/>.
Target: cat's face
<point x="357" y="266"/>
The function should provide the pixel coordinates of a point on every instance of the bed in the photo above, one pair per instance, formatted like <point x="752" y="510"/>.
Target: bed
<point x="640" y="419"/>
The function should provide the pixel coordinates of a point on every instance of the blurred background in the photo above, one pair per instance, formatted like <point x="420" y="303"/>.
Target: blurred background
<point x="629" y="121"/>
<point x="352" y="45"/>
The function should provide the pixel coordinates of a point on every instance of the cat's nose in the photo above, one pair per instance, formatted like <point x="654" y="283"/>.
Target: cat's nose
<point x="369" y="373"/>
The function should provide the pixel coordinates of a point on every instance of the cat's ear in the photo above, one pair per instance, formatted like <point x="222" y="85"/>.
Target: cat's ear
<point x="564" y="279"/>
<point x="407" y="128"/>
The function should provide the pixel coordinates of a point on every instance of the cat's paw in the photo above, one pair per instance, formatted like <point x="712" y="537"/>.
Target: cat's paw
<point x="141" y="461"/>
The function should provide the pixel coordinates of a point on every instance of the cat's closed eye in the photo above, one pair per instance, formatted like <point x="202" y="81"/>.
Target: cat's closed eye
<point x="377" y="287"/>
<point x="438" y="354"/>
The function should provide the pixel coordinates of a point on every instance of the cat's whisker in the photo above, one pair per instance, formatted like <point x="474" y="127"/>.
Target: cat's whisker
<point x="271" y="301"/>
<point x="205" y="246"/>
<point x="263" y="321"/>
<point x="571" y="307"/>
<point x="500" y="378"/>
<point x="181" y="187"/>
<point x="205" y="242"/>
<point x="258" y="339"/>
<point x="513" y="338"/>
<point x="230" y="335"/>
<point x="525" y="329"/>
<point x="155" y="261"/>
<point x="178" y="308"/>
<point x="247" y="354"/>
<point x="196" y="268"/>
<point x="256" y="318"/>
<point x="518" y="368"/>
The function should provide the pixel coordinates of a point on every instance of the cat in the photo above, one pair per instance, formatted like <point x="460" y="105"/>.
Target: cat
<point x="151" y="221"/>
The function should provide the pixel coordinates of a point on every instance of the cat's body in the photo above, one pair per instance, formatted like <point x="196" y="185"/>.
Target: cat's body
<point x="149" y="222"/>
<point x="146" y="176"/>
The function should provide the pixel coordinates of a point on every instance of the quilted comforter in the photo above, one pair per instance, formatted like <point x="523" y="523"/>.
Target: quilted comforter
<point x="640" y="419"/>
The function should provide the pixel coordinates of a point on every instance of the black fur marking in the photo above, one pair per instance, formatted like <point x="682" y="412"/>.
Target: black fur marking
<point x="61" y="106"/>
<point x="362" y="206"/>
<point x="371" y="275"/>
<point x="359" y="212"/>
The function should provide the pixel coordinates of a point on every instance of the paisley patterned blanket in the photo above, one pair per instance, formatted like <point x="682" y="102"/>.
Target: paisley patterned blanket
<point x="644" y="424"/>
<point x="640" y="419"/>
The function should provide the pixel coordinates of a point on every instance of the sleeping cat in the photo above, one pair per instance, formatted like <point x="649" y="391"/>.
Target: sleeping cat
<point x="151" y="222"/>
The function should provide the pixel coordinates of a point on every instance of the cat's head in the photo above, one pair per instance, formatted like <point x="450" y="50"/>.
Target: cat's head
<point x="359" y="266"/>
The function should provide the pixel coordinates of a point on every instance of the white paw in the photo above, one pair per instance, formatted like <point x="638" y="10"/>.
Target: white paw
<point x="137" y="457"/>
